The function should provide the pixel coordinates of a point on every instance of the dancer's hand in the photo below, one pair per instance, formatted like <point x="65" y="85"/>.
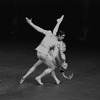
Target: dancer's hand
<point x="60" y="19"/>
<point x="28" y="20"/>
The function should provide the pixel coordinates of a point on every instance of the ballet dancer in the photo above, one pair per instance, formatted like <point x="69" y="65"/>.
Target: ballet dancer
<point x="43" y="51"/>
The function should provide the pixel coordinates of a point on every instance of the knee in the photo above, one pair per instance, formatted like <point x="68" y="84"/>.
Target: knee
<point x="53" y="68"/>
<point x="32" y="69"/>
<point x="49" y="70"/>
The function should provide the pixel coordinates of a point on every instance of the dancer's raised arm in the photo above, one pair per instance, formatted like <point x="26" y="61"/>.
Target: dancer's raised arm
<point x="29" y="21"/>
<point x="57" y="25"/>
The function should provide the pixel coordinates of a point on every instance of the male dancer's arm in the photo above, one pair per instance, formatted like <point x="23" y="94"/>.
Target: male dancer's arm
<point x="29" y="21"/>
<point x="57" y="25"/>
<point x="64" y="65"/>
<point x="62" y="49"/>
<point x="62" y="56"/>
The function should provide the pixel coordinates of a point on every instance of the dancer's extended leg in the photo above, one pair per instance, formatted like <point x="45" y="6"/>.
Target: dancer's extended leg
<point x="30" y="71"/>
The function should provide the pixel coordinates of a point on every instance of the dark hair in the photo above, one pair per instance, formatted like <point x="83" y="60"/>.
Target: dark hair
<point x="60" y="32"/>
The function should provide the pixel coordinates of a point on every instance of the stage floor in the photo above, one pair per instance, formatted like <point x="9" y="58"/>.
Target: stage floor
<point x="16" y="59"/>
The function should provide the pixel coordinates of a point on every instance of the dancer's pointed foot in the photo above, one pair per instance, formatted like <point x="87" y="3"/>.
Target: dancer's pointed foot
<point x="58" y="81"/>
<point x="22" y="80"/>
<point x="60" y="19"/>
<point x="38" y="80"/>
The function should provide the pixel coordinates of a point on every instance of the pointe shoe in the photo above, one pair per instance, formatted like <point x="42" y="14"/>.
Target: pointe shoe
<point x="60" y="19"/>
<point x="22" y="80"/>
<point x="58" y="82"/>
<point x="38" y="80"/>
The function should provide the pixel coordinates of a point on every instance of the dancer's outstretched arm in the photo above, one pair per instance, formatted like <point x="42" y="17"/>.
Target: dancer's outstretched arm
<point x="57" y="25"/>
<point x="29" y="21"/>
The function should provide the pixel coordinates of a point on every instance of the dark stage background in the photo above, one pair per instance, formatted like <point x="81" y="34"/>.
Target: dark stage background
<point x="18" y="41"/>
<point x="81" y="21"/>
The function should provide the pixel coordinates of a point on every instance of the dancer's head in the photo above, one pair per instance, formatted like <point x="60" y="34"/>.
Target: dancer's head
<point x="61" y="35"/>
<point x="64" y="65"/>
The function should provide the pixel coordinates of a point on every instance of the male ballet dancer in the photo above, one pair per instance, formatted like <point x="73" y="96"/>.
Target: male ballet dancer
<point x="43" y="51"/>
<point x="60" y="56"/>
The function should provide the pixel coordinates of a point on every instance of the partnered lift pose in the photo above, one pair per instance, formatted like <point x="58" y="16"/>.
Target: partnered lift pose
<point x="48" y="52"/>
